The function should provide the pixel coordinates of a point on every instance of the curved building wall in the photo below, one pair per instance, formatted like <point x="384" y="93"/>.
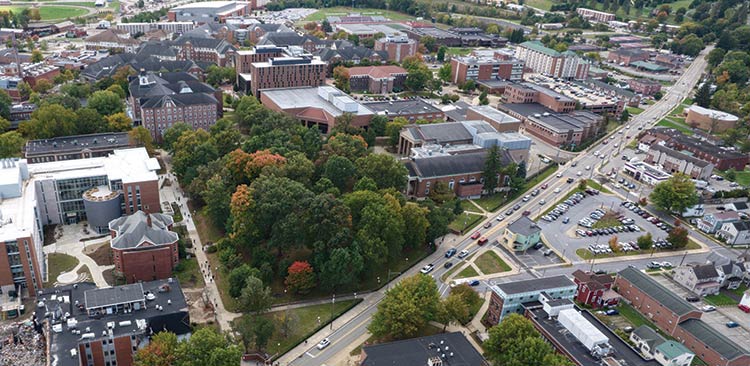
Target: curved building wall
<point x="101" y="208"/>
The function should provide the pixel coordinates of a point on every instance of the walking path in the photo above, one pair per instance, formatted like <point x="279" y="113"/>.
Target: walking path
<point x="73" y="246"/>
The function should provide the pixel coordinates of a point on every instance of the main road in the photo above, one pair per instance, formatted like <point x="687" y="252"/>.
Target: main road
<point x="350" y="328"/>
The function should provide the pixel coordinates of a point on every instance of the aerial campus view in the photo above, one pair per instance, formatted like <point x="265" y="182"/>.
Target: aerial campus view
<point x="402" y="183"/>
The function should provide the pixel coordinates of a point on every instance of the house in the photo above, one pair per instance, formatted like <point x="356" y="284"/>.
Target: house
<point x="702" y="279"/>
<point x="522" y="234"/>
<point x="738" y="206"/>
<point x="665" y="308"/>
<point x="730" y="274"/>
<point x="735" y="233"/>
<point x="143" y="247"/>
<point x="594" y="289"/>
<point x="440" y="349"/>
<point x="713" y="222"/>
<point x="654" y="346"/>
<point x="511" y="297"/>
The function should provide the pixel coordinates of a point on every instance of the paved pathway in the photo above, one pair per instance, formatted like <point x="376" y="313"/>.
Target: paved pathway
<point x="74" y="247"/>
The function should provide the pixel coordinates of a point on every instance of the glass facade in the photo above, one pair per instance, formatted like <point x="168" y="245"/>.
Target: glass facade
<point x="70" y="193"/>
<point x="14" y="260"/>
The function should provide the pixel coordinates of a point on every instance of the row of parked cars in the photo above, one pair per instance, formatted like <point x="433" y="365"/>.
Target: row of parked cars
<point x="564" y="206"/>
<point x="642" y="213"/>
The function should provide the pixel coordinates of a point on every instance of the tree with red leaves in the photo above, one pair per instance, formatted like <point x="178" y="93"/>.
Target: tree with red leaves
<point x="300" y="277"/>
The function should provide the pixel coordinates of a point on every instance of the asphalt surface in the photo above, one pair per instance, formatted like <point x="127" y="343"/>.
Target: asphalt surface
<point x="343" y="336"/>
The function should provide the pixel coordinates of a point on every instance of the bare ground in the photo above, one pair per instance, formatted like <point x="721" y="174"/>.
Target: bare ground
<point x="100" y="253"/>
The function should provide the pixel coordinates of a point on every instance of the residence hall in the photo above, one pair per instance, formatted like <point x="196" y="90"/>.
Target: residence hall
<point x="143" y="247"/>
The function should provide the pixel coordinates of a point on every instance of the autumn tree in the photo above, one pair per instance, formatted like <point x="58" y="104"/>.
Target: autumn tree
<point x="341" y="78"/>
<point x="142" y="137"/>
<point x="162" y="350"/>
<point x="678" y="237"/>
<point x="300" y="277"/>
<point x="119" y="122"/>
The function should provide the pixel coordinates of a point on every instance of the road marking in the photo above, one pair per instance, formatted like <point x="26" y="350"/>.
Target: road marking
<point x="310" y="354"/>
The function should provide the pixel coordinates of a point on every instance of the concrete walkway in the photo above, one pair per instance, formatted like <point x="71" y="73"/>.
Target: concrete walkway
<point x="72" y="246"/>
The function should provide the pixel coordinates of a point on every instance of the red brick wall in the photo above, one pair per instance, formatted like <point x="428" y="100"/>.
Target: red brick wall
<point x="495" y="309"/>
<point x="123" y="351"/>
<point x="705" y="353"/>
<point x="650" y="308"/>
<point x="146" y="264"/>
<point x="149" y="197"/>
<point x="97" y="353"/>
<point x="287" y="76"/>
<point x="504" y="127"/>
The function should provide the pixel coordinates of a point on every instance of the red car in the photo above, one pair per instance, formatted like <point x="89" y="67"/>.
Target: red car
<point x="526" y="213"/>
<point x="482" y="240"/>
<point x="744" y="308"/>
<point x="476" y="235"/>
<point x="544" y="186"/>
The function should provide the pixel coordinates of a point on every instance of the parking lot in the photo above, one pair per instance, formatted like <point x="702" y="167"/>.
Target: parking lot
<point x="534" y="257"/>
<point x="716" y="319"/>
<point x="564" y="237"/>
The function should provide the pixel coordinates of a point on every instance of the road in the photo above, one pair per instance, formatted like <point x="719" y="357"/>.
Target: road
<point x="353" y="324"/>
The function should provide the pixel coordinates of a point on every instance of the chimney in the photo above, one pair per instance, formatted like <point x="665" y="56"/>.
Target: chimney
<point x="148" y="219"/>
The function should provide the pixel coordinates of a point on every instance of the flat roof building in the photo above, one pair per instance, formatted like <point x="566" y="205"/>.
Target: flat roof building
<point x="496" y="66"/>
<point x="711" y="120"/>
<point x="440" y="349"/>
<point x="566" y="65"/>
<point x="208" y="11"/>
<point x="412" y="109"/>
<point x="316" y="106"/>
<point x="510" y="297"/>
<point x="557" y="129"/>
<point x="75" y="147"/>
<point x="398" y="47"/>
<point x="287" y="72"/>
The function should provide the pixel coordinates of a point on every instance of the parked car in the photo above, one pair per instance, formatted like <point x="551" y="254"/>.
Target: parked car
<point x="324" y="343"/>
<point x="474" y="283"/>
<point x="744" y="308"/>
<point x="546" y="251"/>
<point x="450" y="252"/>
<point x="566" y="220"/>
<point x="427" y="268"/>
<point x="538" y="246"/>
<point x="692" y="298"/>
<point x="732" y="325"/>
<point x="708" y="308"/>
<point x="612" y="312"/>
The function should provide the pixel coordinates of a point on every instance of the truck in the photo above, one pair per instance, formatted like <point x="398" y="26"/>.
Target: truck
<point x="594" y="340"/>
<point x="103" y="24"/>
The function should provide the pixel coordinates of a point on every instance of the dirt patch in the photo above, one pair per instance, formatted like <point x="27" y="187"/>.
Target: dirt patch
<point x="201" y="311"/>
<point x="100" y="253"/>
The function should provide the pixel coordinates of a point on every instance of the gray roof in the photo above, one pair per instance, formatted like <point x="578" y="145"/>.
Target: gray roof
<point x="493" y="114"/>
<point x="649" y="336"/>
<point x="288" y="39"/>
<point x="526" y="109"/>
<point x="679" y="155"/>
<point x="416" y="351"/>
<point x="712" y="338"/>
<point x="109" y="296"/>
<point x="537" y="284"/>
<point x="669" y="299"/>
<point x="105" y="140"/>
<point x="458" y="112"/>
<point x="705" y="271"/>
<point x="443" y="166"/>
<point x="440" y="132"/>
<point x="134" y="230"/>
<point x="524" y="226"/>
<point x="400" y="107"/>
<point x="741" y="226"/>
<point x="740" y="205"/>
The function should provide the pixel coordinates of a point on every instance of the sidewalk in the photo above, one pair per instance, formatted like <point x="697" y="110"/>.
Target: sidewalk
<point x="74" y="247"/>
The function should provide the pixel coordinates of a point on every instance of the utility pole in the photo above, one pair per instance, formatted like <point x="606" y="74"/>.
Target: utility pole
<point x="333" y="301"/>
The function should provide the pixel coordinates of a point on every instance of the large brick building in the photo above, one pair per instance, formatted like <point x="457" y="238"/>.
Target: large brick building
<point x="595" y="15"/>
<point x="699" y="148"/>
<point x="398" y="47"/>
<point x="159" y="101"/>
<point x="106" y="326"/>
<point x="710" y="120"/>
<point x="557" y="129"/>
<point x="461" y="172"/>
<point x="480" y="67"/>
<point x="644" y="86"/>
<point x="75" y="147"/>
<point x="566" y="65"/>
<point x="286" y="72"/>
<point x="143" y="247"/>
<point x="525" y="93"/>
<point x="377" y="79"/>
<point x="678" y="318"/>
<point x="626" y="56"/>
<point x="205" y="49"/>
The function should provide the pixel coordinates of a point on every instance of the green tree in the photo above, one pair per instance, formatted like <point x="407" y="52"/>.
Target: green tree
<point x="730" y="174"/>
<point x="340" y="171"/>
<point x="36" y="56"/>
<point x="255" y="297"/>
<point x="11" y="143"/>
<point x="675" y="194"/>
<point x="406" y="308"/>
<point x="52" y="121"/>
<point x="238" y="278"/>
<point x="386" y="171"/>
<point x="393" y="129"/>
<point x="415" y="218"/>
<point x="141" y="136"/>
<point x="5" y="103"/>
<point x="491" y="169"/>
<point x="341" y="78"/>
<point x="703" y="95"/>
<point x="445" y="71"/>
<point x="342" y="268"/>
<point x="42" y="86"/>
<point x="645" y="242"/>
<point x="624" y="116"/>
<point x="417" y="77"/>
<point x="4" y="125"/>
<point x="378" y="123"/>
<point x="678" y="237"/>
<point x="442" y="193"/>
<point x="441" y="53"/>
<point x="162" y="350"/>
<point x="119" y="122"/>
<point x="173" y="133"/>
<point x="716" y="56"/>
<point x="105" y="102"/>
<point x="515" y="342"/>
<point x="208" y="347"/>
<point x="429" y="43"/>
<point x="117" y="89"/>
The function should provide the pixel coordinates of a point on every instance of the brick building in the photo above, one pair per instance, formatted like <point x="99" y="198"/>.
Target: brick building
<point x="566" y="65"/>
<point x="557" y="129"/>
<point x="160" y="101"/>
<point x="699" y="148"/>
<point x="112" y="39"/>
<point x="644" y="86"/>
<point x="207" y="50"/>
<point x="243" y="59"/>
<point x="377" y="79"/>
<point x="501" y="122"/>
<point x="286" y="72"/>
<point x="398" y="47"/>
<point x="524" y="93"/>
<point x="674" y="161"/>
<point x="595" y="15"/>
<point x="594" y="289"/>
<point x="709" y="120"/>
<point x="106" y="326"/>
<point x="665" y="308"/>
<point x="207" y="11"/>
<point x="143" y="247"/>
<point x="510" y="297"/>
<point x="625" y="56"/>
<point x="257" y="31"/>
<point x="479" y="68"/>
<point x="75" y="147"/>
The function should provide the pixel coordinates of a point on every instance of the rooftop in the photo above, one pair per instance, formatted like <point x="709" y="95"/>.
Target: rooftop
<point x="376" y="72"/>
<point x="533" y="285"/>
<point x="493" y="114"/>
<point x="712" y="113"/>
<point x="649" y="66"/>
<point x="539" y="47"/>
<point x="524" y="226"/>
<point x="713" y="338"/>
<point x="450" y="165"/>
<point x="139" y="228"/>
<point x="331" y="100"/>
<point x="109" y="140"/>
<point x="402" y="107"/>
<point x="669" y="299"/>
<point x="453" y="348"/>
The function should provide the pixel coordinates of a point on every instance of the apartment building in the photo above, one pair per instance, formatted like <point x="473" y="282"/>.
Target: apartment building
<point x="497" y="66"/>
<point x="595" y="15"/>
<point x="286" y="72"/>
<point x="205" y="49"/>
<point x="699" y="147"/>
<point x="377" y="79"/>
<point x="644" y="86"/>
<point x="398" y="47"/>
<point x="525" y="93"/>
<point x="566" y="65"/>
<point x="243" y="59"/>
<point x="675" y="161"/>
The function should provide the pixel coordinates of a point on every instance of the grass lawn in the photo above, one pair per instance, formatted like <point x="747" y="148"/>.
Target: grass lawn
<point x="742" y="177"/>
<point x="739" y="291"/>
<point x="719" y="300"/>
<point x="468" y="206"/>
<point x="608" y="220"/>
<point x="671" y="123"/>
<point x="206" y="229"/>
<point x="586" y="254"/>
<point x="177" y="215"/>
<point x="634" y="110"/>
<point x="465" y="222"/>
<point x="491" y="203"/>
<point x="633" y="316"/>
<point x="489" y="262"/>
<point x="85" y="269"/>
<point x="458" y="51"/>
<point x="305" y="323"/>
<point x="59" y="263"/>
<point x="188" y="273"/>
<point x="467" y="272"/>
<point x="48" y="12"/>
<point x="321" y="14"/>
<point x="540" y="4"/>
<point x="595" y="185"/>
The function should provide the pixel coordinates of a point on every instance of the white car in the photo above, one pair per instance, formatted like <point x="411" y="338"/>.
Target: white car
<point x="324" y="343"/>
<point x="526" y="198"/>
<point x="462" y="254"/>
<point x="579" y="173"/>
<point x="559" y="175"/>
<point x="557" y="190"/>
<point x="427" y="269"/>
<point x="588" y="167"/>
<point x="542" y="202"/>
<point x="500" y="218"/>
<point x="708" y="308"/>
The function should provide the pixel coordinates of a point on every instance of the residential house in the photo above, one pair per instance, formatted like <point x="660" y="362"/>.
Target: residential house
<point x="653" y="346"/>
<point x="711" y="223"/>
<point x="522" y="234"/>
<point x="730" y="274"/>
<point x="594" y="289"/>
<point x="735" y="233"/>
<point x="702" y="279"/>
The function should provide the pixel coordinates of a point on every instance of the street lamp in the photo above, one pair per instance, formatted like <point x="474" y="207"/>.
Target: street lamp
<point x="333" y="301"/>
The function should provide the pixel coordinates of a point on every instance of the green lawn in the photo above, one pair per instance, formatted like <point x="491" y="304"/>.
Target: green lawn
<point x="672" y="123"/>
<point x="305" y="324"/>
<point x="540" y="4"/>
<point x="609" y="220"/>
<point x="633" y="316"/>
<point x="343" y="10"/>
<point x="742" y="178"/>
<point x="49" y="12"/>
<point x="720" y="300"/>
<point x="595" y="185"/>
<point x="490" y="262"/>
<point x="459" y="51"/>
<point x="634" y="110"/>
<point x="491" y="203"/>
<point x="468" y="206"/>
<point x="188" y="273"/>
<point x="57" y="264"/>
<point x="177" y="215"/>
<point x="467" y="272"/>
<point x="465" y="222"/>
<point x="739" y="291"/>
